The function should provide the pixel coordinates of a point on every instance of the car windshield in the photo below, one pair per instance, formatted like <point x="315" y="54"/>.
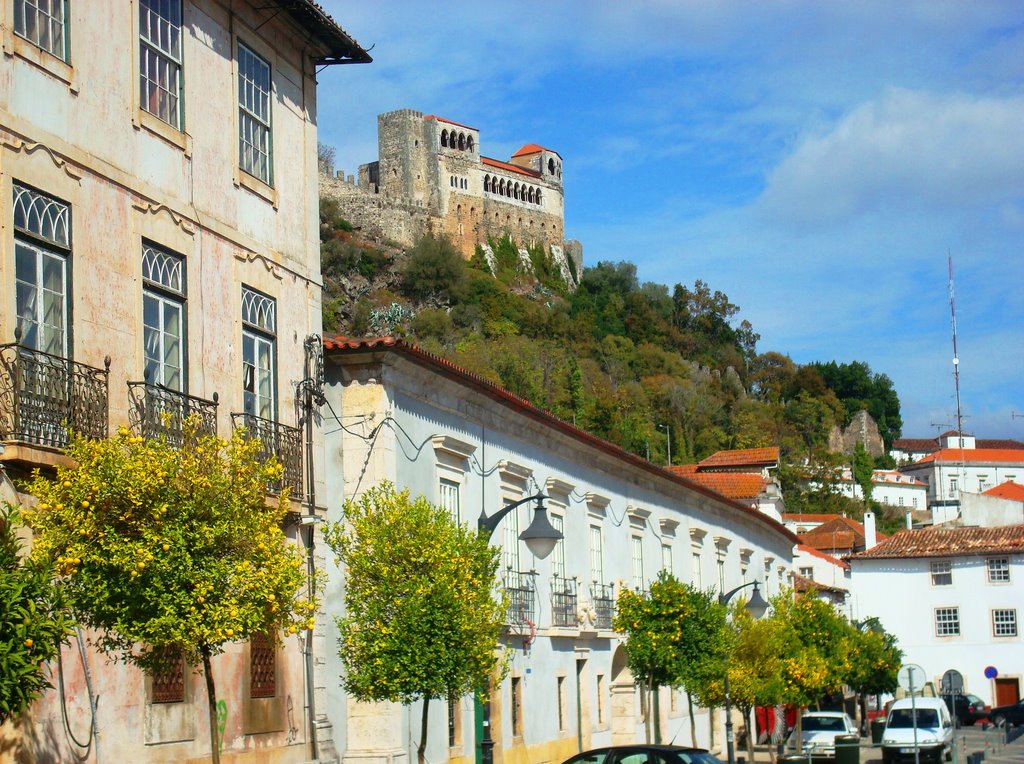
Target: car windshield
<point x="903" y="718"/>
<point x="823" y="724"/>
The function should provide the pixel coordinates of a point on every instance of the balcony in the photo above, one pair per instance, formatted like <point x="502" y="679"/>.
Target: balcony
<point x="603" y="598"/>
<point x="155" y="411"/>
<point x="280" y="441"/>
<point x="44" y="398"/>
<point x="564" y="604"/>
<point x="522" y="594"/>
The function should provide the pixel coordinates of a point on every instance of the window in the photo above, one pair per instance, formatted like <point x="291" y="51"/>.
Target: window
<point x="600" y="700"/>
<point x="169" y="679"/>
<point x="1004" y="623"/>
<point x="914" y="502"/>
<point x="448" y="493"/>
<point x="259" y="330"/>
<point x="596" y="554"/>
<point x="952" y="486"/>
<point x="695" y="558"/>
<point x="42" y="247"/>
<point x="163" y="317"/>
<point x="262" y="667"/>
<point x="942" y="573"/>
<point x="558" y="554"/>
<point x="666" y="558"/>
<point x="511" y="551"/>
<point x="637" y="547"/>
<point x="43" y="23"/>
<point x="901" y="501"/>
<point x="947" y="622"/>
<point x="721" y="574"/>
<point x="560" y="700"/>
<point x="160" y="59"/>
<point x="254" y="114"/>
<point x="807" y="573"/>
<point x="517" y="706"/>
<point x="998" y="570"/>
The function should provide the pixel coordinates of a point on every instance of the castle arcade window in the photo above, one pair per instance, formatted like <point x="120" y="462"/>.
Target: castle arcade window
<point x="43" y="23"/>
<point x="259" y="337"/>
<point x="163" y="316"/>
<point x="42" y="249"/>
<point x="444" y="139"/>
<point x="160" y="59"/>
<point x="254" y="136"/>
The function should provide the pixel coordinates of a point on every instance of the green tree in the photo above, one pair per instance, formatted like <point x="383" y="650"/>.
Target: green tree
<point x="434" y="270"/>
<point x="422" y="619"/>
<point x="34" y="620"/>
<point x="171" y="551"/>
<point x="863" y="471"/>
<point x="875" y="659"/>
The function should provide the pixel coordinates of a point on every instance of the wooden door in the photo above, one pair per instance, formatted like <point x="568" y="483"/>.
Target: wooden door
<point x="1007" y="691"/>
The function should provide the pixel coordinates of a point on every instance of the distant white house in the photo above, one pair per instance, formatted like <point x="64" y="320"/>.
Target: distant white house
<point x="1002" y="505"/>
<point x="952" y="597"/>
<point x="888" y="487"/>
<point x="830" y="575"/>
<point x="909" y="450"/>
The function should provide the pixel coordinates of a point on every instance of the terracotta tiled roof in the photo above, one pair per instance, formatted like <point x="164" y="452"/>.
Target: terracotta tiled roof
<point x="510" y="167"/>
<point x="340" y="45"/>
<point x="926" y="445"/>
<point x="735" y="485"/>
<point x="821" y="555"/>
<point x="804" y="584"/>
<point x="1007" y="490"/>
<point x="975" y="456"/>
<point x="447" y="121"/>
<point x="444" y="367"/>
<point x="930" y="445"/>
<point x="742" y="457"/>
<point x="808" y="517"/>
<point x="839" y="541"/>
<point x="943" y="541"/>
<point x="1014" y="445"/>
<point x="533" y="148"/>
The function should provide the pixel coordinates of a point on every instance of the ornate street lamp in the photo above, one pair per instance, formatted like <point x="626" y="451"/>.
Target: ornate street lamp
<point x="540" y="539"/>
<point x="757" y="607"/>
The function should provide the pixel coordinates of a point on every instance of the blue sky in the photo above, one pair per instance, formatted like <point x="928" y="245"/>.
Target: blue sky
<point x="816" y="161"/>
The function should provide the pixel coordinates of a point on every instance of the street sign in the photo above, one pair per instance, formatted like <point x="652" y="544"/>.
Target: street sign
<point x="911" y="677"/>
<point x="990" y="672"/>
<point x="952" y="683"/>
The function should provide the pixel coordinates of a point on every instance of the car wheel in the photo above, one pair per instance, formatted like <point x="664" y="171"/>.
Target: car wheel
<point x="887" y="758"/>
<point x="999" y="720"/>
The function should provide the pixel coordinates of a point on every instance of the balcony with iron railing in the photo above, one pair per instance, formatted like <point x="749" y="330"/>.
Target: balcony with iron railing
<point x="564" y="601"/>
<point x="602" y="597"/>
<point x="280" y="441"/>
<point x="44" y="397"/>
<point x="522" y="593"/>
<point x="155" y="411"/>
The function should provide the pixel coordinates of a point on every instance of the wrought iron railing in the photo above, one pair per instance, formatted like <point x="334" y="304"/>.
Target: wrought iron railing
<point x="603" y="598"/>
<point x="280" y="441"/>
<point x="156" y="411"/>
<point x="522" y="594"/>
<point x="564" y="604"/>
<point x="44" y="397"/>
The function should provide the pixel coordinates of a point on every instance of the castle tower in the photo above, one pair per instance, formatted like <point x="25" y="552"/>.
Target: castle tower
<point x="546" y="162"/>
<point x="402" y="143"/>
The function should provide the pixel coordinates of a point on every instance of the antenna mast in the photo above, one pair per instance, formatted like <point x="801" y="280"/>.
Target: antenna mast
<point x="956" y="379"/>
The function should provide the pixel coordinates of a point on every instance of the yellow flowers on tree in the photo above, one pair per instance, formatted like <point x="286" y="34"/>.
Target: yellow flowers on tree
<point x="33" y="621"/>
<point x="171" y="551"/>
<point x="422" y="617"/>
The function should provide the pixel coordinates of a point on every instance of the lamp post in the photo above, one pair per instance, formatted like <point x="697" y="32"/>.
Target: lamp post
<point x="668" y="434"/>
<point x="540" y="539"/>
<point x="757" y="607"/>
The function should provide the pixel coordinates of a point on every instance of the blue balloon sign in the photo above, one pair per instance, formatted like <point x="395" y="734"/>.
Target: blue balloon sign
<point x="990" y="672"/>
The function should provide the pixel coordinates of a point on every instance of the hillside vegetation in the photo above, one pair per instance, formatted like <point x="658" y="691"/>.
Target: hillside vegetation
<point x="639" y="364"/>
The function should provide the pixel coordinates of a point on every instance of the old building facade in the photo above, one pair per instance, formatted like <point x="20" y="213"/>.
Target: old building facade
<point x="159" y="256"/>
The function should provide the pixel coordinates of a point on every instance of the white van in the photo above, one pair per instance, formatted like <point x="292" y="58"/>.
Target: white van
<point x="925" y="721"/>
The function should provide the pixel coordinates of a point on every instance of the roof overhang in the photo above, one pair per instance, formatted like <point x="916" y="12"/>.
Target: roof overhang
<point x="338" y="45"/>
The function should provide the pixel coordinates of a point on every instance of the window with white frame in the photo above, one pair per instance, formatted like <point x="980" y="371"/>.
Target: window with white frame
<point x="947" y="621"/>
<point x="558" y="553"/>
<point x="42" y="249"/>
<point x="254" y="136"/>
<point x="807" y="573"/>
<point x="637" y="556"/>
<point x="596" y="554"/>
<point x="259" y="339"/>
<point x="160" y="60"/>
<point x="44" y="24"/>
<point x="942" y="573"/>
<point x="511" y="558"/>
<point x="953" y="486"/>
<point x="901" y="501"/>
<point x="666" y="557"/>
<point x="767" y="574"/>
<point x="1004" y="622"/>
<point x="998" y="570"/>
<point x="448" y="495"/>
<point x="696" y="570"/>
<point x="163" y="316"/>
<point x="721" y="573"/>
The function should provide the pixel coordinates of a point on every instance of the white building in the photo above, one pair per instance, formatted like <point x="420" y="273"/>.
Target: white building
<point x="1001" y="505"/>
<point x="952" y="597"/>
<point x="419" y="421"/>
<point x="821" y="568"/>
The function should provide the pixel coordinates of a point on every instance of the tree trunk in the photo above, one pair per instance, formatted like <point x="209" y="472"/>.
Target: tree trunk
<point x="750" y="733"/>
<point x="693" y="722"/>
<point x="211" y="696"/>
<point x="421" y="752"/>
<point x="656" y="711"/>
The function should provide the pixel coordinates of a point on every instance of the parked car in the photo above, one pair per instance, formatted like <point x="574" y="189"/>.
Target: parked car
<point x="966" y="709"/>
<point x="920" y="725"/>
<point x="644" y="754"/>
<point x="819" y="730"/>
<point x="1011" y="715"/>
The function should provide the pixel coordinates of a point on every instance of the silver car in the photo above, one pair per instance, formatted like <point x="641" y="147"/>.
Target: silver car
<point x="819" y="730"/>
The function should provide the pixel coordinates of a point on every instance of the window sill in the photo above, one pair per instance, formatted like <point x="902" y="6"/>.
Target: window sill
<point x="172" y="135"/>
<point x="256" y="186"/>
<point x="49" y="63"/>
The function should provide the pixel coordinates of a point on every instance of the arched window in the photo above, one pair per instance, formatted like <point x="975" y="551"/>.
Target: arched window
<point x="444" y="139"/>
<point x="469" y="143"/>
<point x="515" y="191"/>
<point x="529" y="195"/>
<point x="538" y="195"/>
<point x="462" y="142"/>
<point x="487" y="183"/>
<point x="501" y="187"/>
<point x="551" y="166"/>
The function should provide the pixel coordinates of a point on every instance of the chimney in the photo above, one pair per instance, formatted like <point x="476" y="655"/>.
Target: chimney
<point x="910" y="521"/>
<point x="870" y="539"/>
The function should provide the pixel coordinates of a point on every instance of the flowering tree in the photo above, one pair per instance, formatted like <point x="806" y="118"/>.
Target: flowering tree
<point x="422" y="618"/>
<point x="33" y="621"/>
<point x="171" y="551"/>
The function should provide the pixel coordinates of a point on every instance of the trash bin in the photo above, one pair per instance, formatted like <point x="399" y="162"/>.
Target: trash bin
<point x="877" y="730"/>
<point x="847" y="749"/>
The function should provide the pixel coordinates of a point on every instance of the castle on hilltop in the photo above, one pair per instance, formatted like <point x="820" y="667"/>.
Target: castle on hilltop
<point x="431" y="176"/>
